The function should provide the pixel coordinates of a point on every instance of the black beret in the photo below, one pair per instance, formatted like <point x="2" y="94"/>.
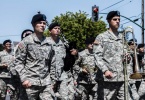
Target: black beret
<point x="6" y="41"/>
<point x="111" y="14"/>
<point x="140" y="46"/>
<point x="38" y="17"/>
<point x="52" y="25"/>
<point x="26" y="33"/>
<point x="90" y="40"/>
<point x="131" y="41"/>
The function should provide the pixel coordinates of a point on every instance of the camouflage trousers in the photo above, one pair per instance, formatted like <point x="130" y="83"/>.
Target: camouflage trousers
<point x="111" y="91"/>
<point x="14" y="88"/>
<point x="9" y="85"/>
<point x="133" y="91"/>
<point x="87" y="91"/>
<point x="39" y="93"/>
<point x="3" y="87"/>
<point x="67" y="89"/>
<point x="141" y="89"/>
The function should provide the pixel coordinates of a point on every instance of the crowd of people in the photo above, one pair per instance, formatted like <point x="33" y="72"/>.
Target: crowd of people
<point x="47" y="68"/>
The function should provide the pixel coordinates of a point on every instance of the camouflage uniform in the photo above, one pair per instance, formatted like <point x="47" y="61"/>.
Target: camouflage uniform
<point x="140" y="83"/>
<point x="108" y="50"/>
<point x="5" y="58"/>
<point x="32" y="65"/>
<point x="60" y="53"/>
<point x="18" y="91"/>
<point x="135" y="85"/>
<point x="87" y="84"/>
<point x="132" y="87"/>
<point x="60" y="78"/>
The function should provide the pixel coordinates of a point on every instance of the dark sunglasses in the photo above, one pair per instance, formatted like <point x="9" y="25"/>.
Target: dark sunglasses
<point x="115" y="19"/>
<point x="133" y="44"/>
<point x="8" y="44"/>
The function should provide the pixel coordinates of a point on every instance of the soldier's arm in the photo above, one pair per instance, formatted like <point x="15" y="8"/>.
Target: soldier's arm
<point x="53" y="70"/>
<point x="76" y="68"/>
<point x="20" y="59"/>
<point x="2" y="65"/>
<point x="98" y="49"/>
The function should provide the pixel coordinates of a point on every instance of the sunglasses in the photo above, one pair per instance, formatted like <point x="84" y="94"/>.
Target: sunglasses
<point x="8" y="44"/>
<point x="133" y="44"/>
<point x="115" y="19"/>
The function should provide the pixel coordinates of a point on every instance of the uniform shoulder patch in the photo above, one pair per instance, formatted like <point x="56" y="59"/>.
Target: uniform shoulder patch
<point x="21" y="45"/>
<point x="96" y="42"/>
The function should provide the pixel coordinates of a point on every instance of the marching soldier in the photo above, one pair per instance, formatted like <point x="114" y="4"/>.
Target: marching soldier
<point x="140" y="84"/>
<point x="6" y="57"/>
<point x="109" y="57"/>
<point x="19" y="90"/>
<point x="62" y="83"/>
<point x="132" y="87"/>
<point x="33" y="61"/>
<point x="85" y="72"/>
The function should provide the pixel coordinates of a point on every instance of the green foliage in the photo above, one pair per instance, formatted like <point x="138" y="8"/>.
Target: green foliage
<point x="76" y="27"/>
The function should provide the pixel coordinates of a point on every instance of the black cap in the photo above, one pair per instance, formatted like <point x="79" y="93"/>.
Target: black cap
<point x="26" y="33"/>
<point x="131" y="41"/>
<point x="52" y="25"/>
<point x="38" y="17"/>
<point x="6" y="41"/>
<point x="111" y="14"/>
<point x="90" y="40"/>
<point x="140" y="46"/>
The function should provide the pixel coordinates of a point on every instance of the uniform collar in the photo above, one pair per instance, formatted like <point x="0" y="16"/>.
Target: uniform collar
<point x="35" y="38"/>
<point x="113" y="36"/>
<point x="87" y="52"/>
<point x="5" y="52"/>
<point x="55" y="43"/>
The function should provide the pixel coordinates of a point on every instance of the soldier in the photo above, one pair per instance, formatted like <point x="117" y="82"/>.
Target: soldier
<point x="132" y="87"/>
<point x="6" y="57"/>
<point x="33" y="61"/>
<point x="26" y="33"/>
<point x="85" y="71"/>
<point x="140" y="84"/>
<point x="19" y="91"/>
<point x="58" y="75"/>
<point x="131" y="44"/>
<point x="140" y="48"/>
<point x="109" y="57"/>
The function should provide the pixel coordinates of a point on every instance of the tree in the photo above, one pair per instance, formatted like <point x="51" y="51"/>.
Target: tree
<point x="76" y="27"/>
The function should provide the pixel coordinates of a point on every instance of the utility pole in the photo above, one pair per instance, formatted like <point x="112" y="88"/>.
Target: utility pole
<point x="142" y="20"/>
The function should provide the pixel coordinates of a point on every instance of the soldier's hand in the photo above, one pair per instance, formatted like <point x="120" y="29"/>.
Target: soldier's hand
<point x="126" y="57"/>
<point x="26" y="84"/>
<point x="74" y="52"/>
<point x="84" y="70"/>
<point x="142" y="62"/>
<point x="108" y="74"/>
<point x="75" y="82"/>
<point x="4" y="65"/>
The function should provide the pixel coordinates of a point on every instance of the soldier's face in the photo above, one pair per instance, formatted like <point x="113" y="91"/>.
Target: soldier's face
<point x="141" y="49"/>
<point x="132" y="46"/>
<point x="90" y="46"/>
<point x="114" y="22"/>
<point x="7" y="46"/>
<point x="40" y="26"/>
<point x="55" y="31"/>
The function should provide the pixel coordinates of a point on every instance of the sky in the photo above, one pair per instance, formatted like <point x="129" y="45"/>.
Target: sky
<point x="16" y="15"/>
